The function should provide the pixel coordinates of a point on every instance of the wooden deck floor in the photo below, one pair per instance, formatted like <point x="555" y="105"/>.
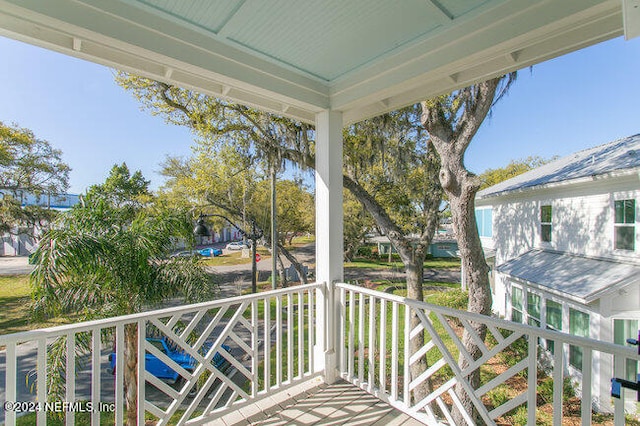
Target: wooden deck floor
<point x="337" y="404"/>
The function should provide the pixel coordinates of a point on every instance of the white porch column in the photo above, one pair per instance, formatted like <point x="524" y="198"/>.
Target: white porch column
<point x="631" y="18"/>
<point x="329" y="229"/>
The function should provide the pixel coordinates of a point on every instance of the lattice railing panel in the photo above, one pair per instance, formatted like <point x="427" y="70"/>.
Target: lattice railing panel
<point x="447" y="366"/>
<point x="194" y="363"/>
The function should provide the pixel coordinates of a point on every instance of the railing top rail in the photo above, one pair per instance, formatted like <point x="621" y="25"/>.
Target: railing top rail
<point x="501" y="323"/>
<point x="128" y="319"/>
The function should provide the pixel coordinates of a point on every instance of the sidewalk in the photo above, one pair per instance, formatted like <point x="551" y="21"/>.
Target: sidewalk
<point x="15" y="265"/>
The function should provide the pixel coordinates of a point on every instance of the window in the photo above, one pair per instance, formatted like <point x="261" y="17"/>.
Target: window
<point x="554" y="321"/>
<point x="578" y="326"/>
<point x="533" y="309"/>
<point x="516" y="304"/>
<point x="545" y="223"/>
<point x="484" y="222"/>
<point x="623" y="330"/>
<point x="624" y="225"/>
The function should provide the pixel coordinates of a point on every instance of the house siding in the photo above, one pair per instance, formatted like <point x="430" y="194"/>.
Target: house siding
<point x="582" y="221"/>
<point x="582" y="224"/>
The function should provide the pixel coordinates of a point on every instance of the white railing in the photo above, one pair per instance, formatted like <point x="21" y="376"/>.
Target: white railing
<point x="373" y="341"/>
<point x="247" y="348"/>
<point x="241" y="349"/>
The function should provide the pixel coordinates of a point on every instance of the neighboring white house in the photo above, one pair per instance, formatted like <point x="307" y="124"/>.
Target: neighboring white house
<point x="565" y="250"/>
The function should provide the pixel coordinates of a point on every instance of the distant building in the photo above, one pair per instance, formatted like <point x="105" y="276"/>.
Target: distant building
<point x="22" y="244"/>
<point x="55" y="202"/>
<point x="442" y="245"/>
<point x="563" y="245"/>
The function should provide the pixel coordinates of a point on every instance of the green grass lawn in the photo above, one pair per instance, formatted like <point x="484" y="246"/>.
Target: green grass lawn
<point x="435" y="263"/>
<point x="301" y="241"/>
<point x="15" y="300"/>
<point x="15" y="296"/>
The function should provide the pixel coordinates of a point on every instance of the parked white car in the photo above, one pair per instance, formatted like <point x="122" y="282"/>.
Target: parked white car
<point x="236" y="245"/>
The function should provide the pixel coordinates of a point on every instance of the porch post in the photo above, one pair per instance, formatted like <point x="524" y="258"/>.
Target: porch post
<point x="329" y="224"/>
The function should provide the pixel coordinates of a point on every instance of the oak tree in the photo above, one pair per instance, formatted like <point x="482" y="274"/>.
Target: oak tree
<point x="28" y="167"/>
<point x="452" y="121"/>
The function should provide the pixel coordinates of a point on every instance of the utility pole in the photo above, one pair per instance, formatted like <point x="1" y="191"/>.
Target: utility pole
<point x="274" y="230"/>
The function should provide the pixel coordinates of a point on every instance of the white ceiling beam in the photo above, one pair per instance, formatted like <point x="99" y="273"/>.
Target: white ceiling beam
<point x="533" y="42"/>
<point x="631" y="18"/>
<point x="77" y="44"/>
<point x="439" y="83"/>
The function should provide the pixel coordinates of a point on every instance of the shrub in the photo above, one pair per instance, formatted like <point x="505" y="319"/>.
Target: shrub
<point x="545" y="390"/>
<point x="456" y="299"/>
<point x="520" y="416"/>
<point x="498" y="396"/>
<point x="515" y="353"/>
<point x="365" y="251"/>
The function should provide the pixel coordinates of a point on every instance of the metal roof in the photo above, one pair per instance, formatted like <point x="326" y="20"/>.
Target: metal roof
<point x="583" y="278"/>
<point x="299" y="57"/>
<point x="617" y="156"/>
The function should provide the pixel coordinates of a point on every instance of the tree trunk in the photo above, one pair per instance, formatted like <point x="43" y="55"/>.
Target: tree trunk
<point x="413" y="260"/>
<point x="294" y="261"/>
<point x="415" y="277"/>
<point x="461" y="187"/>
<point x="283" y="273"/>
<point x="131" y="373"/>
<point x="477" y="279"/>
<point x="452" y="121"/>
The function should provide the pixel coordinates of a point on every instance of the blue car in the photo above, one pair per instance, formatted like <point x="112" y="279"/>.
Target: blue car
<point x="162" y="371"/>
<point x="210" y="252"/>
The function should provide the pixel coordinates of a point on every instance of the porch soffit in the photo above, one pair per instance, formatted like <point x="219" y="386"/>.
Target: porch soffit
<point x="292" y="57"/>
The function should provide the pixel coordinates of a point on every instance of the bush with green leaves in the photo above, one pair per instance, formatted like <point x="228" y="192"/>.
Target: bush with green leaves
<point x="498" y="396"/>
<point x="454" y="298"/>
<point x="545" y="389"/>
<point x="365" y="251"/>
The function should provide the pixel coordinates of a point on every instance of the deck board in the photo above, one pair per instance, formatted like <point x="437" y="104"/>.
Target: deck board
<point x="338" y="404"/>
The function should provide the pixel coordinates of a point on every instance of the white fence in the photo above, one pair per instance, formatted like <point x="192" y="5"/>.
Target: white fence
<point x="269" y="343"/>
<point x="246" y="348"/>
<point x="376" y="330"/>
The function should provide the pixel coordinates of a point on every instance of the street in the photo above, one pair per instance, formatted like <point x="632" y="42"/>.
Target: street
<point x="15" y="265"/>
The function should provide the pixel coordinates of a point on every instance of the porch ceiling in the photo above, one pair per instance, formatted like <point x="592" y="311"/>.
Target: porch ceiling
<point x="360" y="57"/>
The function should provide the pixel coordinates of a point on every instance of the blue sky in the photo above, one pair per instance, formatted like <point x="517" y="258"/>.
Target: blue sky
<point x="577" y="101"/>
